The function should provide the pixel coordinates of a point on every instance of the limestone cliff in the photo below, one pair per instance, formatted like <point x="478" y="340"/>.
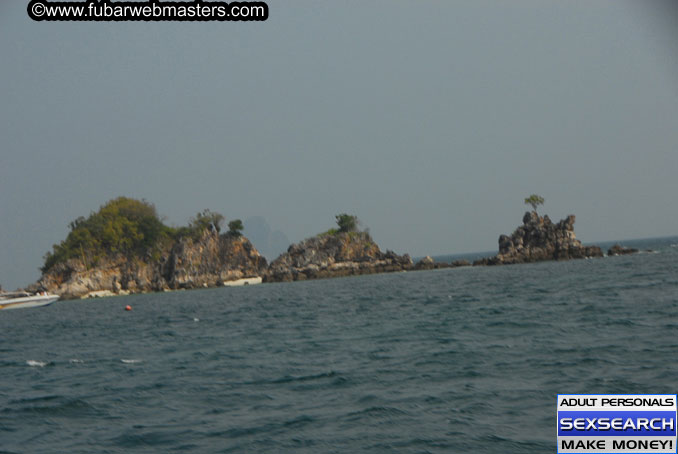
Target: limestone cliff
<point x="539" y="239"/>
<point x="207" y="261"/>
<point x="334" y="255"/>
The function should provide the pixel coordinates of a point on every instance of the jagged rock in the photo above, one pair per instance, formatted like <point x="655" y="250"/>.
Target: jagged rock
<point x="334" y="255"/>
<point x="538" y="239"/>
<point x="427" y="263"/>
<point x="461" y="263"/>
<point x="208" y="261"/>
<point x="618" y="249"/>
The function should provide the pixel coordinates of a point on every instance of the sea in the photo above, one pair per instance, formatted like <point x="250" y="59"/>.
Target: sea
<point x="463" y="360"/>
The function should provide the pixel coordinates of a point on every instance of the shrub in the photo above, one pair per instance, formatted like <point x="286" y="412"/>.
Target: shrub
<point x="235" y="227"/>
<point x="121" y="226"/>
<point x="347" y="223"/>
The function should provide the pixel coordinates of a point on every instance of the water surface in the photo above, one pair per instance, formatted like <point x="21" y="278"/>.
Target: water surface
<point x="454" y="360"/>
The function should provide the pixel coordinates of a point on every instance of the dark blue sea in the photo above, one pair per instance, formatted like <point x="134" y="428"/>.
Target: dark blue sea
<point x="465" y="360"/>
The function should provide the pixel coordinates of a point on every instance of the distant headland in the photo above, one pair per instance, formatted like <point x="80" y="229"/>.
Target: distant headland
<point x="126" y="248"/>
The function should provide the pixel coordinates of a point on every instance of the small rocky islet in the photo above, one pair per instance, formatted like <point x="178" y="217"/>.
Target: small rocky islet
<point x="98" y="258"/>
<point x="538" y="240"/>
<point x="335" y="254"/>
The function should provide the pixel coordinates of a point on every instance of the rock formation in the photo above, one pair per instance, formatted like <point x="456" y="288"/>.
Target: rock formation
<point x="428" y="263"/>
<point x="539" y="239"/>
<point x="618" y="249"/>
<point x="207" y="261"/>
<point x="461" y="263"/>
<point x="334" y="255"/>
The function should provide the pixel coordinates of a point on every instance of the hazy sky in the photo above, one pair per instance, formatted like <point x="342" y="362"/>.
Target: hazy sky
<point x="430" y="120"/>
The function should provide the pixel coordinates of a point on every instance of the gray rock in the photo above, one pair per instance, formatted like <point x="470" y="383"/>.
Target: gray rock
<point x="427" y="263"/>
<point x="461" y="263"/>
<point x="335" y="255"/>
<point x="618" y="249"/>
<point x="188" y="263"/>
<point x="538" y="239"/>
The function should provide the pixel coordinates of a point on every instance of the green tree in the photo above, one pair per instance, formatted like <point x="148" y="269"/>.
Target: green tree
<point x="121" y="226"/>
<point x="207" y="220"/>
<point x="534" y="200"/>
<point x="235" y="227"/>
<point x="347" y="222"/>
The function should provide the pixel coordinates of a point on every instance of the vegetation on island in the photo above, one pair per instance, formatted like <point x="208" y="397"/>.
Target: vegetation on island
<point x="534" y="200"/>
<point x="205" y="220"/>
<point x="129" y="227"/>
<point x="347" y="223"/>
<point x="235" y="227"/>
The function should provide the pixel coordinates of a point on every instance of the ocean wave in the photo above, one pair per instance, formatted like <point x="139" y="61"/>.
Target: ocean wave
<point x="300" y="378"/>
<point x="53" y="405"/>
<point x="34" y="363"/>
<point x="344" y="365"/>
<point x="376" y="412"/>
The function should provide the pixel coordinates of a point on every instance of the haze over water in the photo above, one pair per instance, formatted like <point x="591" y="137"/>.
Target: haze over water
<point x="454" y="360"/>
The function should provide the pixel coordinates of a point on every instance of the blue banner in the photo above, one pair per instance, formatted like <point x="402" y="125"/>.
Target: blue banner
<point x="616" y="423"/>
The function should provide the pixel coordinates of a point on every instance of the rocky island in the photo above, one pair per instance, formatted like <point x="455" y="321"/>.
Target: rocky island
<point x="539" y="239"/>
<point x="125" y="248"/>
<point x="338" y="252"/>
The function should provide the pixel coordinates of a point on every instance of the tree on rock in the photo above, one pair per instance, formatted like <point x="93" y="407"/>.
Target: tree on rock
<point x="207" y="220"/>
<point x="347" y="223"/>
<point x="122" y="226"/>
<point x="235" y="227"/>
<point x="534" y="200"/>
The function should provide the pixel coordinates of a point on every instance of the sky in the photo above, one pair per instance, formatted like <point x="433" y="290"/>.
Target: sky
<point x="430" y="120"/>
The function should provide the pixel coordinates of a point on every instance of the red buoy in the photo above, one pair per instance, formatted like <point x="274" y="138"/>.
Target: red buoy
<point x="128" y="308"/>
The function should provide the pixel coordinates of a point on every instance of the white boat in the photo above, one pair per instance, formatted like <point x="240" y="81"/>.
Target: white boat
<point x="18" y="300"/>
